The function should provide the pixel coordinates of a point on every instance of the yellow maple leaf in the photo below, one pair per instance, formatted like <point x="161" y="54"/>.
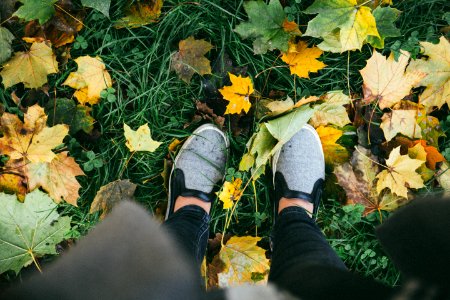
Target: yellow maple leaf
<point x="334" y="153"/>
<point x="141" y="13"/>
<point x="437" y="68"/>
<point x="400" y="174"/>
<point x="56" y="177"/>
<point x="140" y="140"/>
<point x="190" y="59"/>
<point x="31" y="67"/>
<point x="302" y="60"/>
<point x="400" y="121"/>
<point x="238" y="94"/>
<point x="231" y="191"/>
<point x="332" y="111"/>
<point x="89" y="80"/>
<point x="385" y="80"/>
<point x="31" y="140"/>
<point x="242" y="259"/>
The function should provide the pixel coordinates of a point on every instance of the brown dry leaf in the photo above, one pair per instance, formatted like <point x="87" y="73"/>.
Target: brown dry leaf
<point x="385" y="80"/>
<point x="242" y="260"/>
<point x="61" y="28"/>
<point x="334" y="153"/>
<point x="190" y="59"/>
<point x="400" y="121"/>
<point x="31" y="67"/>
<point x="141" y="13"/>
<point x="400" y="174"/>
<point x="56" y="177"/>
<point x="30" y="141"/>
<point x="358" y="181"/>
<point x="89" y="80"/>
<point x="302" y="60"/>
<point x="111" y="194"/>
<point x="206" y="113"/>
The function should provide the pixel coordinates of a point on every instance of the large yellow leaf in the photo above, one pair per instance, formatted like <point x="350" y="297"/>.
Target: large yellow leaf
<point x="437" y="68"/>
<point x="332" y="111"/>
<point x="400" y="174"/>
<point x="139" y="140"/>
<point x="242" y="260"/>
<point x="238" y="94"/>
<point x="31" y="67"/>
<point x="31" y="140"/>
<point x="348" y="21"/>
<point x="385" y="80"/>
<point x="89" y="80"/>
<point x="190" y="58"/>
<point x="302" y="60"/>
<point x="334" y="153"/>
<point x="400" y="121"/>
<point x="56" y="177"/>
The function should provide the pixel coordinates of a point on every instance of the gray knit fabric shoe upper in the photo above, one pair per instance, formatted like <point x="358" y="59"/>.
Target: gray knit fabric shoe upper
<point x="203" y="158"/>
<point x="301" y="160"/>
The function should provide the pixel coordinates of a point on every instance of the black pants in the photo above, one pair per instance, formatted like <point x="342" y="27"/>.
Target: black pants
<point x="297" y="241"/>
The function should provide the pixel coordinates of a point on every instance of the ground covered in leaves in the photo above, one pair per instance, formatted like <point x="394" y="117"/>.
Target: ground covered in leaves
<point x="97" y="97"/>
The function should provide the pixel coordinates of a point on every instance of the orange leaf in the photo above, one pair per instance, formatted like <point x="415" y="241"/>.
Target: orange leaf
<point x="238" y="94"/>
<point x="433" y="155"/>
<point x="302" y="60"/>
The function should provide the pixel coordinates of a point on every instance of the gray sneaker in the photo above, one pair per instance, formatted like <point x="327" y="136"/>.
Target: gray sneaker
<point x="299" y="168"/>
<point x="199" y="167"/>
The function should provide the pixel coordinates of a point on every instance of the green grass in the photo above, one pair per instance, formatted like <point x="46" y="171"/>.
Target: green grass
<point x="147" y="92"/>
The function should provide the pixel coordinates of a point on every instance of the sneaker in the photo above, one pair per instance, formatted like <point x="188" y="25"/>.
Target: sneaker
<point x="199" y="167"/>
<point x="299" y="169"/>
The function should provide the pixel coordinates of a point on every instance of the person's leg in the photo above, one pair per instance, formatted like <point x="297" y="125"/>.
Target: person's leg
<point x="299" y="171"/>
<point x="198" y="169"/>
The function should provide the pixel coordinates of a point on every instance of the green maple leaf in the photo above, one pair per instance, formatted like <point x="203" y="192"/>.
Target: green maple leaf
<point x="343" y="20"/>
<point x="6" y="38"/>
<point x="41" y="10"/>
<point x="385" y="18"/>
<point x="267" y="25"/>
<point x="66" y="111"/>
<point x="28" y="230"/>
<point x="100" y="5"/>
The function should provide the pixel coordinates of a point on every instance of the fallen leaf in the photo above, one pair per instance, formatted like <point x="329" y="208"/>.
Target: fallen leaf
<point x="41" y="10"/>
<point x="13" y="182"/>
<point x="30" y="230"/>
<point x="242" y="259"/>
<point x="400" y="121"/>
<point x="358" y="181"/>
<point x="385" y="80"/>
<point x="334" y="153"/>
<point x="140" y="140"/>
<point x="31" y="67"/>
<point x="56" y="177"/>
<point x="190" y="59"/>
<point x="418" y="152"/>
<point x="280" y="107"/>
<point x="206" y="113"/>
<point x="6" y="37"/>
<point x="141" y="13"/>
<point x="100" y="5"/>
<point x="174" y="146"/>
<point x="238" y="94"/>
<point x="332" y="111"/>
<point x="267" y="25"/>
<point x="30" y="141"/>
<point x="61" y="28"/>
<point x="443" y="176"/>
<point x="111" y="194"/>
<point x="385" y="18"/>
<point x="66" y="111"/>
<point x="89" y="80"/>
<point x="352" y="22"/>
<point x="230" y="192"/>
<point x="437" y="70"/>
<point x="400" y="174"/>
<point x="431" y="128"/>
<point x="303" y="60"/>
<point x="433" y="156"/>
<point x="259" y="148"/>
